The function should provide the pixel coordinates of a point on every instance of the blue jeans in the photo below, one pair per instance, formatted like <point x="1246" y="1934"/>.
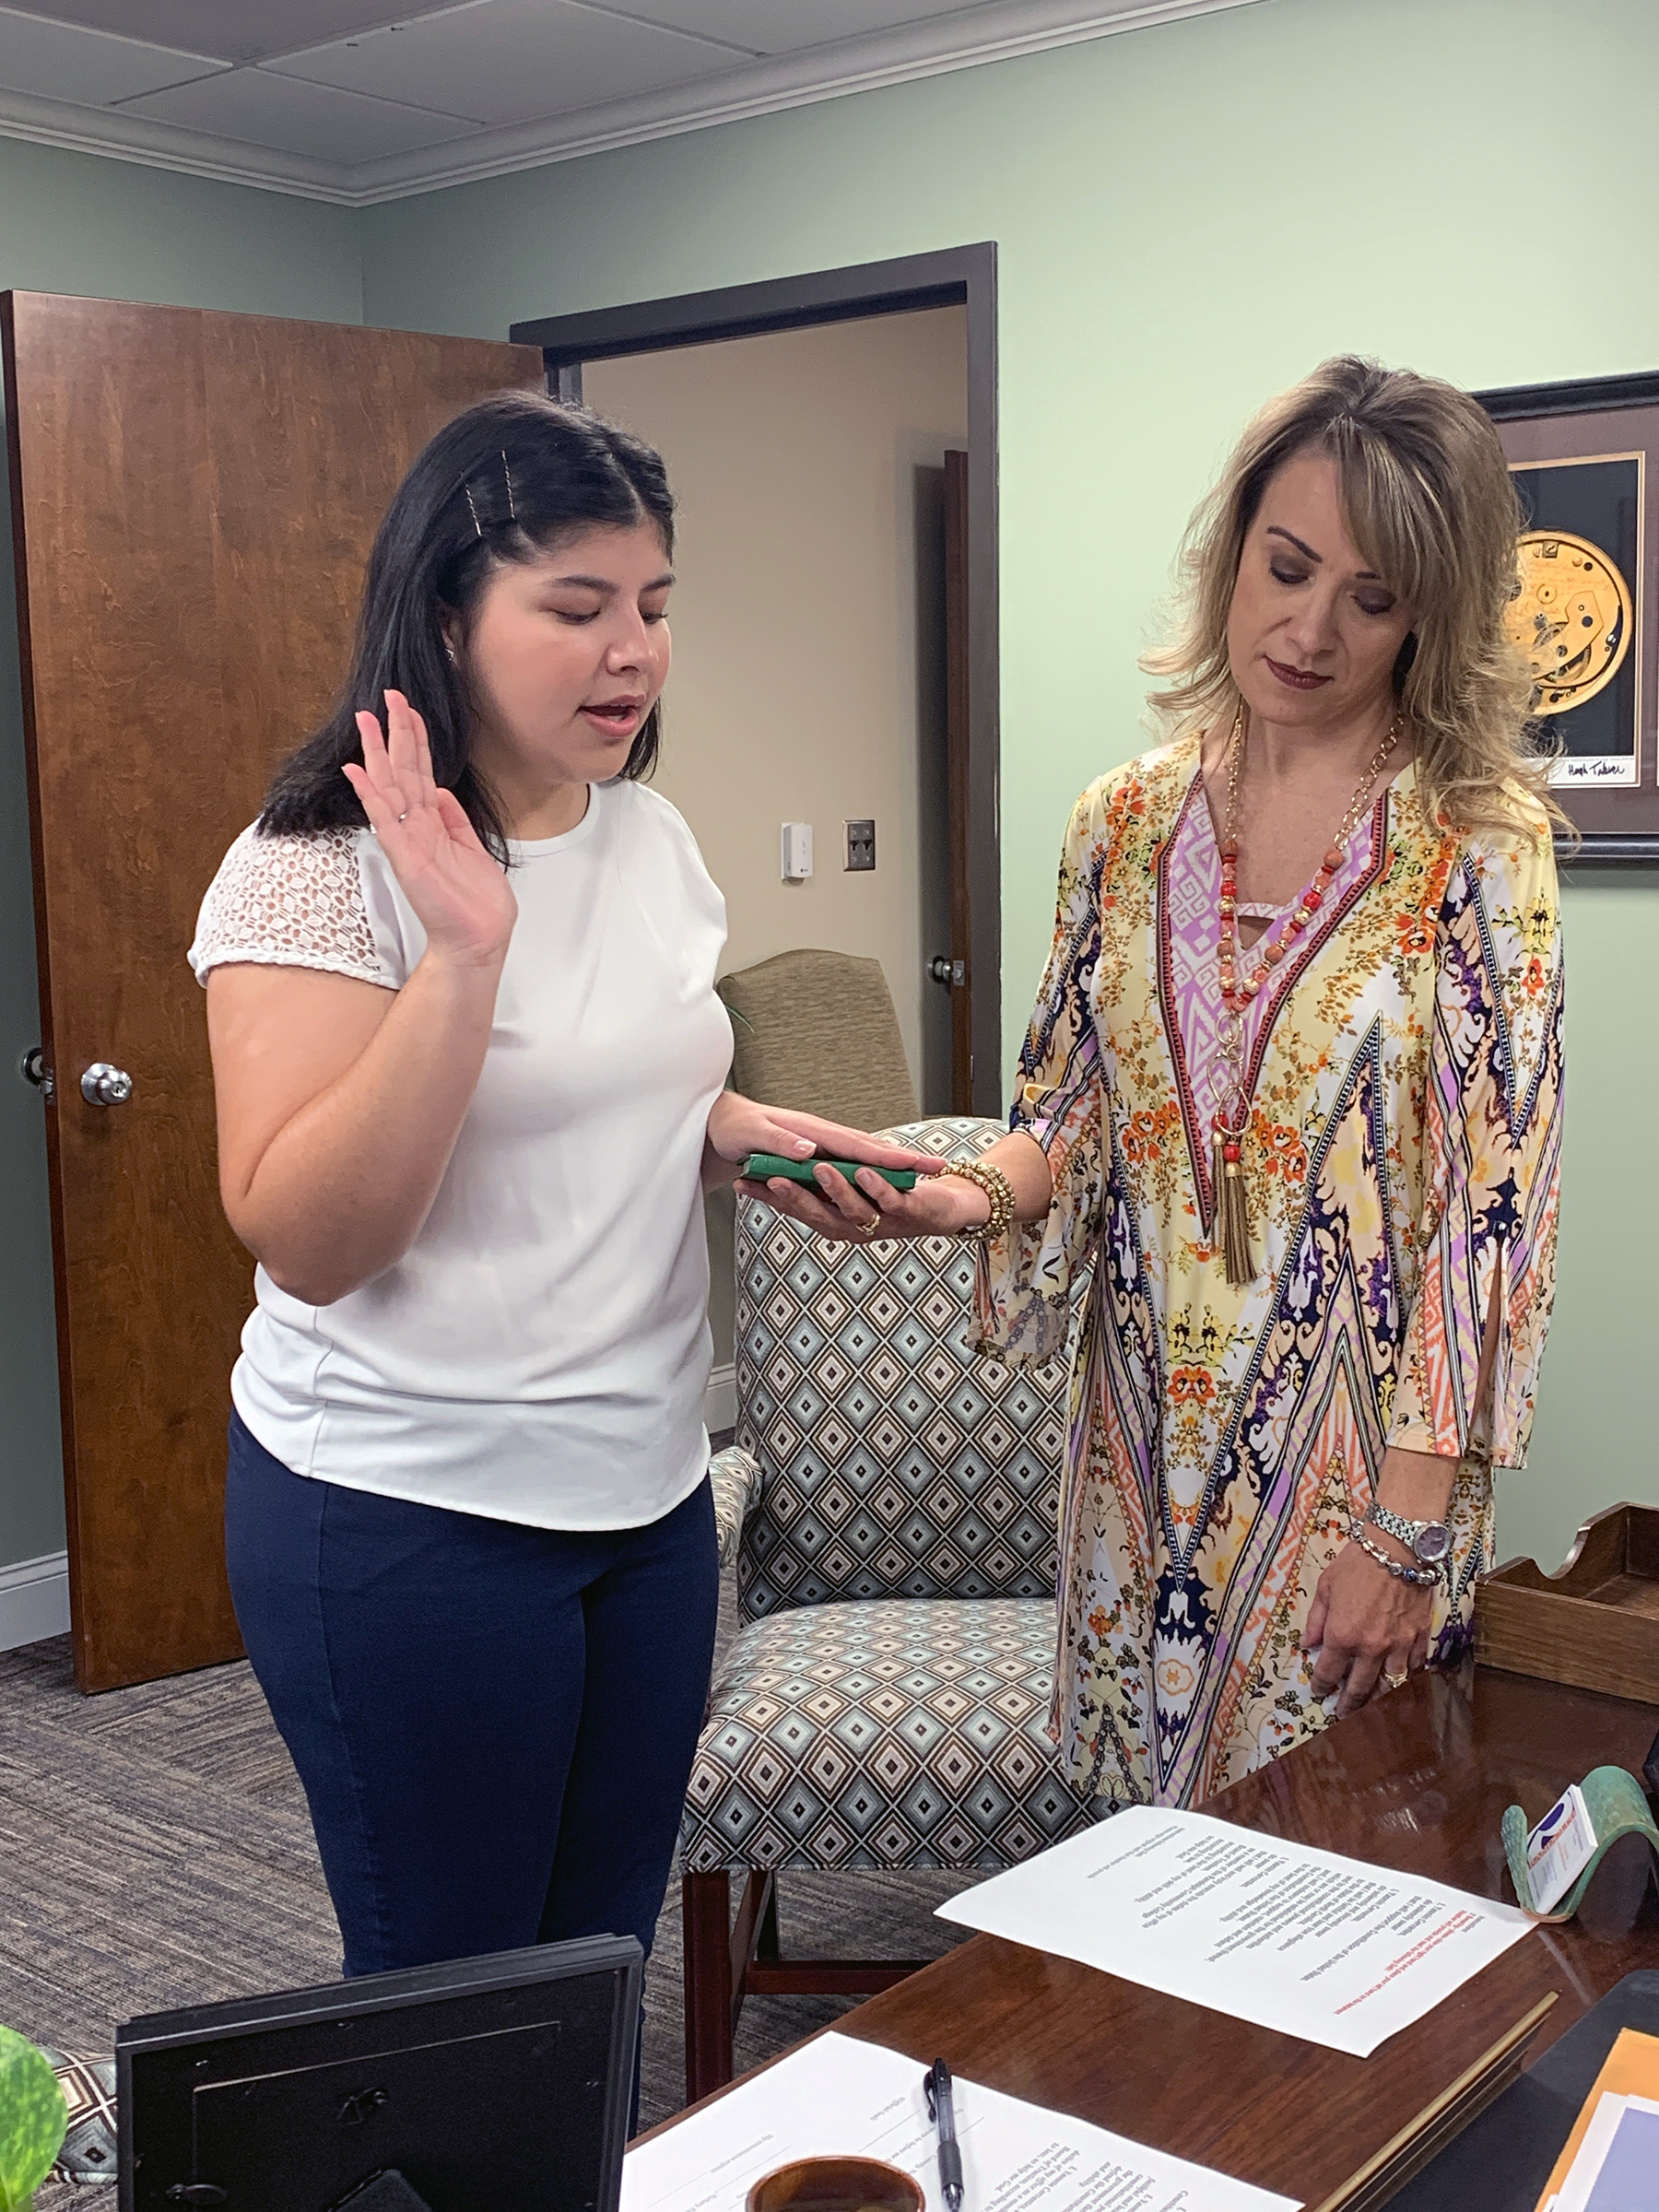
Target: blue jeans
<point x="494" y="1724"/>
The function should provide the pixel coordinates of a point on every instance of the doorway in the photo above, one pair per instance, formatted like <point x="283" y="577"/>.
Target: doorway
<point x="809" y="671"/>
<point x="629" y="362"/>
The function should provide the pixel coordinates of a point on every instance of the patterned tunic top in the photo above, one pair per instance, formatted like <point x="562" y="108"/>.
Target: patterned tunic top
<point x="1402" y="1159"/>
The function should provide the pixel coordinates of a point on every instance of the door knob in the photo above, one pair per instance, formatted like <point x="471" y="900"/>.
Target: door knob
<point x="947" y="972"/>
<point x="105" y="1085"/>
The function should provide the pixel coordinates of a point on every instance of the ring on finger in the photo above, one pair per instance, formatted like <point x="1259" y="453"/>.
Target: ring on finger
<point x="1395" y="1681"/>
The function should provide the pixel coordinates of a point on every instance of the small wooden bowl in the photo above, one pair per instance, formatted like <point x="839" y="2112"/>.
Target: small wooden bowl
<point x="836" y="2186"/>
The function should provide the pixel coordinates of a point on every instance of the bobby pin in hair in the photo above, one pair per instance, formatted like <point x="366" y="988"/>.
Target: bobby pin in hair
<point x="506" y="472"/>
<point x="471" y="509"/>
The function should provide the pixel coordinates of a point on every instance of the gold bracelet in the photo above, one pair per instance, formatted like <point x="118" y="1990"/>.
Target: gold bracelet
<point x="997" y="1189"/>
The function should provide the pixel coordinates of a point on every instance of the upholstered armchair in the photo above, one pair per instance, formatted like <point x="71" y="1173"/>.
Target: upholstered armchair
<point x="818" y="1031"/>
<point x="890" y="1506"/>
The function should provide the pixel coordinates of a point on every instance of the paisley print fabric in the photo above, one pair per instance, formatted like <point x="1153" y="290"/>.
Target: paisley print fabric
<point x="1401" y="1158"/>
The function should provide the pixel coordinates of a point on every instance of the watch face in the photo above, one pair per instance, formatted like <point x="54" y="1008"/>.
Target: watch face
<point x="1432" y="1542"/>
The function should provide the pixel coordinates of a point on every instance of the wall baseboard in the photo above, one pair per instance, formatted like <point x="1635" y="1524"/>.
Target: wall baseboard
<point x="719" y="1401"/>
<point x="34" y="1600"/>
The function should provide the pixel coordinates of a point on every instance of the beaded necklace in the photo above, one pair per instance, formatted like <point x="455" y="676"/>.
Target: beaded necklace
<point x="1232" y="1115"/>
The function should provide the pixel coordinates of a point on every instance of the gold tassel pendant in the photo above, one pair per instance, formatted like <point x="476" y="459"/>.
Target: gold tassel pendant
<point x="1232" y="1209"/>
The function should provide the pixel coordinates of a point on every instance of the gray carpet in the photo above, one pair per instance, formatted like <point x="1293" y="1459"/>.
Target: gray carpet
<point x="155" y="1852"/>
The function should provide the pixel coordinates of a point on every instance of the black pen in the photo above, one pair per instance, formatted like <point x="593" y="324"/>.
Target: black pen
<point x="941" y="2110"/>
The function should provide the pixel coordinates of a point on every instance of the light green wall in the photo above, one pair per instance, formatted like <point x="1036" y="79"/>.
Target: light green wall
<point x="1189" y="217"/>
<point x="73" y="223"/>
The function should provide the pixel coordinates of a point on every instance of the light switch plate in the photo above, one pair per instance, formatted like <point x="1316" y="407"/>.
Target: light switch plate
<point x="861" y="846"/>
<point x="796" y="850"/>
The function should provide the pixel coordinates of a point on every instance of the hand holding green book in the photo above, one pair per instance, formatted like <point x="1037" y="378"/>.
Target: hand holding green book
<point x="763" y="1167"/>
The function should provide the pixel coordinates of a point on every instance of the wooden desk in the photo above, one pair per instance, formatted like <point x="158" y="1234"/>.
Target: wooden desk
<point x="1418" y="1782"/>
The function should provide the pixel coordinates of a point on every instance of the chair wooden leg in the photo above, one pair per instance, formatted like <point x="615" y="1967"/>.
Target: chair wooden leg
<point x="706" y="1903"/>
<point x="766" y="1932"/>
<point x="754" y="1927"/>
<point x="728" y="1960"/>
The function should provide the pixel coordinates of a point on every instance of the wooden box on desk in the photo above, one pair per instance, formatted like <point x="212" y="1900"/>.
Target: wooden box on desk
<point x="1593" y="1623"/>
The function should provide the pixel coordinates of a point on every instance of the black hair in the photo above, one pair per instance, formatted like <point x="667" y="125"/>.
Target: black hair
<point x="506" y="481"/>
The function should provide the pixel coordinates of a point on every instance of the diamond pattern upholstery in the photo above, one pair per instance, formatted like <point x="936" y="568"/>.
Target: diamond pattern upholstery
<point x="88" y="2155"/>
<point x="895" y="1461"/>
<point x="893" y="1496"/>
<point x="883" y="1732"/>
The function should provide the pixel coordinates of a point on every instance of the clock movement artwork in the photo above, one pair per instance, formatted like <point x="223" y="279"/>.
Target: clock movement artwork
<point x="1573" y="617"/>
<point x="1585" y="462"/>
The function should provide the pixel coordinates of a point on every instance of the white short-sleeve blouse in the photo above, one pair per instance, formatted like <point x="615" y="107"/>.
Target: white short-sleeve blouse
<point x="541" y="1352"/>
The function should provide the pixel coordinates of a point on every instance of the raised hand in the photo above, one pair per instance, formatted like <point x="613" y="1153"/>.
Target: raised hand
<point x="460" y="894"/>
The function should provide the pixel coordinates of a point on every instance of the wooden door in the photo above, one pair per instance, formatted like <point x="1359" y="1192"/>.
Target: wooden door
<point x="192" y="500"/>
<point x="956" y="752"/>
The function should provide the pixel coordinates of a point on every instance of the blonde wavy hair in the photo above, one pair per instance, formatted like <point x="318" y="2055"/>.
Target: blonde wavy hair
<point x="1430" y="502"/>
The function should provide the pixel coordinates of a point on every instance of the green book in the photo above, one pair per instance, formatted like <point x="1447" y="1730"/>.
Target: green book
<point x="761" y="1167"/>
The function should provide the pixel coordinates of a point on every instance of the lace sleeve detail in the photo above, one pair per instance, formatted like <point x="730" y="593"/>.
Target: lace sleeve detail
<point x="289" y="902"/>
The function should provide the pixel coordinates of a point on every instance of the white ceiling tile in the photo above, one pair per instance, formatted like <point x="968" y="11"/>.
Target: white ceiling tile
<point x="783" y="26"/>
<point x="232" y="30"/>
<point x="510" y="61"/>
<point x="261" y="109"/>
<point x="470" y="87"/>
<point x="61" y="61"/>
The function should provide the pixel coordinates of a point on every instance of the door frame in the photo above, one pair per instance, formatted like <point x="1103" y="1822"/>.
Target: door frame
<point x="956" y="277"/>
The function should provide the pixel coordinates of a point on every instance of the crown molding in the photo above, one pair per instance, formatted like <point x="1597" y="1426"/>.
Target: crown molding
<point x="935" y="47"/>
<point x="124" y="137"/>
<point x="1005" y="30"/>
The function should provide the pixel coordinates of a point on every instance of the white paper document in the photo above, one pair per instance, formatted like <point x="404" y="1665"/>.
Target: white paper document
<point x="842" y="2096"/>
<point x="1332" y="1949"/>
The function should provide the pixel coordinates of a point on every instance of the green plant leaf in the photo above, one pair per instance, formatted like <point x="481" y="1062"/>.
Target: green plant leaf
<point x="32" y="2120"/>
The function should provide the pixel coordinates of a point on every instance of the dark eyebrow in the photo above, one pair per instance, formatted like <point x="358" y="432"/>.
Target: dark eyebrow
<point x="1360" y="575"/>
<point x="607" y="588"/>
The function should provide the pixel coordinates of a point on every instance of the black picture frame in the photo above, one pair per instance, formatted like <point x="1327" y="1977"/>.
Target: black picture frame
<point x="1601" y="423"/>
<point x="472" y="2085"/>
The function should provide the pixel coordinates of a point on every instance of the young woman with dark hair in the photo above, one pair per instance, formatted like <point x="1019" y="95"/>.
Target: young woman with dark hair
<point x="469" y="1064"/>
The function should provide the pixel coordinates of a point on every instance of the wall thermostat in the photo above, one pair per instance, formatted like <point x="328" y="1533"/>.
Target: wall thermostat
<point x="797" y="852"/>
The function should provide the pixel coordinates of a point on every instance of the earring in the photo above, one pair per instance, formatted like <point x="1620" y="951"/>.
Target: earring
<point x="451" y="651"/>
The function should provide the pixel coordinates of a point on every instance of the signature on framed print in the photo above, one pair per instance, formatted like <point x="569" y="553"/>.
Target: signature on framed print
<point x="1585" y="461"/>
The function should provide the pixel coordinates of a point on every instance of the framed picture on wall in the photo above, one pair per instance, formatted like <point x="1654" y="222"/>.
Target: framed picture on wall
<point x="1586" y="460"/>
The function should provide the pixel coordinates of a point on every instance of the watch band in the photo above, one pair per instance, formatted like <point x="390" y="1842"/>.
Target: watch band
<point x="1429" y="1541"/>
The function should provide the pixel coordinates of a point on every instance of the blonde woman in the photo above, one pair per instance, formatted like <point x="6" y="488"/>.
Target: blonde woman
<point x="1293" y="1088"/>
